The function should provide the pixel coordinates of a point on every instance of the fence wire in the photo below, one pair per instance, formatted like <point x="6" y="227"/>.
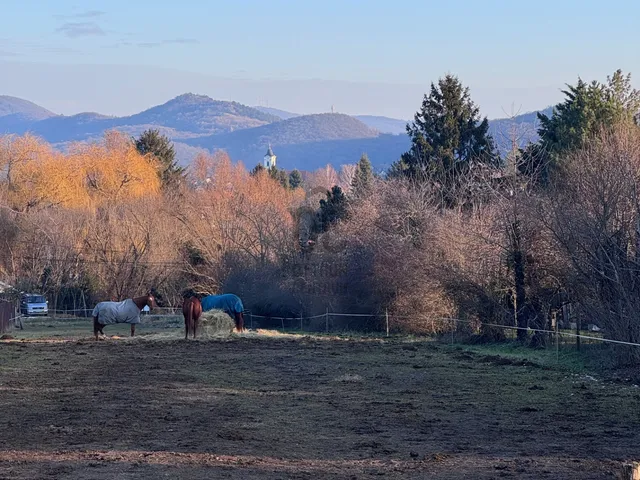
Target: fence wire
<point x="324" y="322"/>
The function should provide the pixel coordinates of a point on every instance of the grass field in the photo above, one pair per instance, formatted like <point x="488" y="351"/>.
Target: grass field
<point x="301" y="407"/>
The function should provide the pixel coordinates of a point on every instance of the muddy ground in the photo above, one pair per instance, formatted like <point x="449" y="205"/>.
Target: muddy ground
<point x="307" y="408"/>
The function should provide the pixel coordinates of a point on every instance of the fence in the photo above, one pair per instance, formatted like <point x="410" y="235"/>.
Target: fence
<point x="450" y="331"/>
<point x="379" y="323"/>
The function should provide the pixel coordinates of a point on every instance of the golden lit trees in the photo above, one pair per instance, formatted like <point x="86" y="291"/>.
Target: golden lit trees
<point x="234" y="213"/>
<point x="114" y="170"/>
<point x="34" y="176"/>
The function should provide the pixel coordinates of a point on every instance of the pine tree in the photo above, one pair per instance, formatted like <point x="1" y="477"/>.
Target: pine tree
<point x="277" y="174"/>
<point x="152" y="142"/>
<point x="447" y="134"/>
<point x="362" y="183"/>
<point x="282" y="177"/>
<point x="295" y="179"/>
<point x="257" y="169"/>
<point x="333" y="209"/>
<point x="586" y="109"/>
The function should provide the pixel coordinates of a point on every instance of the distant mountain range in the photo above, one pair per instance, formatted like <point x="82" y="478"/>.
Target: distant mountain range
<point x="197" y="123"/>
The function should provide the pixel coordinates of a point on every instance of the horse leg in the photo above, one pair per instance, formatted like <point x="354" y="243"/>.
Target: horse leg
<point x="96" y="327"/>
<point x="187" y="312"/>
<point x="133" y="329"/>
<point x="239" y="322"/>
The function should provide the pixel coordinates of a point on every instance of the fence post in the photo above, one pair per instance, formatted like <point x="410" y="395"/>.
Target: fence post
<point x="453" y="325"/>
<point x="251" y="320"/>
<point x="300" y="321"/>
<point x="386" y="314"/>
<point x="326" y="320"/>
<point x="578" y="326"/>
<point x="557" y="345"/>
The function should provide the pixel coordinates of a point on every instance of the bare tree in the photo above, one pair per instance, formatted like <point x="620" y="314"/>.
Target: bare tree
<point x="595" y="218"/>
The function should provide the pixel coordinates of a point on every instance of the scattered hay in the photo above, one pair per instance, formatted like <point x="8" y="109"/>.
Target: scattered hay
<point x="349" y="378"/>
<point x="215" y="324"/>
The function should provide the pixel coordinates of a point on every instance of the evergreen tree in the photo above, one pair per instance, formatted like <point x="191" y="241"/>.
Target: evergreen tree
<point x="152" y="142"/>
<point x="447" y="134"/>
<point x="362" y="182"/>
<point x="332" y="209"/>
<point x="586" y="109"/>
<point x="280" y="175"/>
<point x="295" y="179"/>
<point x="257" y="169"/>
<point x="275" y="173"/>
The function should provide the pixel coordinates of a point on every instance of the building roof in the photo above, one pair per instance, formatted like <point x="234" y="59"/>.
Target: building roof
<point x="270" y="152"/>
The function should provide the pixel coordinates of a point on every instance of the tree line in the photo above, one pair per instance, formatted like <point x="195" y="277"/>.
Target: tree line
<point x="453" y="229"/>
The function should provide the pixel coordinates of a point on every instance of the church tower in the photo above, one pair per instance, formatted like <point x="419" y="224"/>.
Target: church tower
<point x="269" y="159"/>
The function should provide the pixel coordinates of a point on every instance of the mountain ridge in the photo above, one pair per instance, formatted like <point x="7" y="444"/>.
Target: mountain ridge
<point x="198" y="122"/>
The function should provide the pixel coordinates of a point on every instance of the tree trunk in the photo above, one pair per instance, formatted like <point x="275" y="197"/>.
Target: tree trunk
<point x="521" y="310"/>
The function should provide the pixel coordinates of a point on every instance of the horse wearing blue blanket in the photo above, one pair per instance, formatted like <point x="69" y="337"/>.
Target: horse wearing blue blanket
<point x="127" y="311"/>
<point x="193" y="307"/>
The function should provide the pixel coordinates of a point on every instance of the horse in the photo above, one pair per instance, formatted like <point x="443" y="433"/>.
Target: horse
<point x="127" y="311"/>
<point x="191" y="309"/>
<point x="229" y="303"/>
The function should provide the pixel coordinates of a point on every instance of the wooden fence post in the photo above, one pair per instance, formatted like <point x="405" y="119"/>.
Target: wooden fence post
<point x="386" y="314"/>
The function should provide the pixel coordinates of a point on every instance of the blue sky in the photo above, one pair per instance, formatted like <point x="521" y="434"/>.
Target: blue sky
<point x="512" y="54"/>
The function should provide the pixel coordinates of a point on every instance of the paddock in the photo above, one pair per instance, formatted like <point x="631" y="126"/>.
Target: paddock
<point x="301" y="407"/>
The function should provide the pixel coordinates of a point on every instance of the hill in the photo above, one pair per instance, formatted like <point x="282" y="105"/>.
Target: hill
<point x="186" y="116"/>
<point x="200" y="115"/>
<point x="393" y="126"/>
<point x="382" y="151"/>
<point x="17" y="115"/>
<point x="282" y="114"/>
<point x="523" y="128"/>
<point x="306" y="132"/>
<point x="25" y="108"/>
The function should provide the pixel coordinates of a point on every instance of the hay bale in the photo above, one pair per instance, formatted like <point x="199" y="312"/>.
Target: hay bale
<point x="215" y="324"/>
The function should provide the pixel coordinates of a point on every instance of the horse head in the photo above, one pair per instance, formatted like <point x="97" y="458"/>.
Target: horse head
<point x="151" y="300"/>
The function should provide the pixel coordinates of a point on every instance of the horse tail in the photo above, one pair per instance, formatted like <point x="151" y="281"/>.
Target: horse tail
<point x="196" y="311"/>
<point x="187" y="311"/>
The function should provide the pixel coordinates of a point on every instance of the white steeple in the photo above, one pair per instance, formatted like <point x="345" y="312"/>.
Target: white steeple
<point x="269" y="159"/>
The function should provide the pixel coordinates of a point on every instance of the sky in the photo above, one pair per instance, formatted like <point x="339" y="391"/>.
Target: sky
<point x="359" y="56"/>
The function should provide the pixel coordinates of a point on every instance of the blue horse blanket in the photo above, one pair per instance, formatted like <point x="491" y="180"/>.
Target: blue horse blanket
<point x="229" y="303"/>
<point x="117" y="312"/>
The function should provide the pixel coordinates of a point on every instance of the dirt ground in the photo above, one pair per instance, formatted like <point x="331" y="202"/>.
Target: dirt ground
<point x="304" y="408"/>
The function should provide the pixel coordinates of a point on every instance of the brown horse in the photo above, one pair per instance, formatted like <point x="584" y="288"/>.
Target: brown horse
<point x="191" y="309"/>
<point x="127" y="311"/>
